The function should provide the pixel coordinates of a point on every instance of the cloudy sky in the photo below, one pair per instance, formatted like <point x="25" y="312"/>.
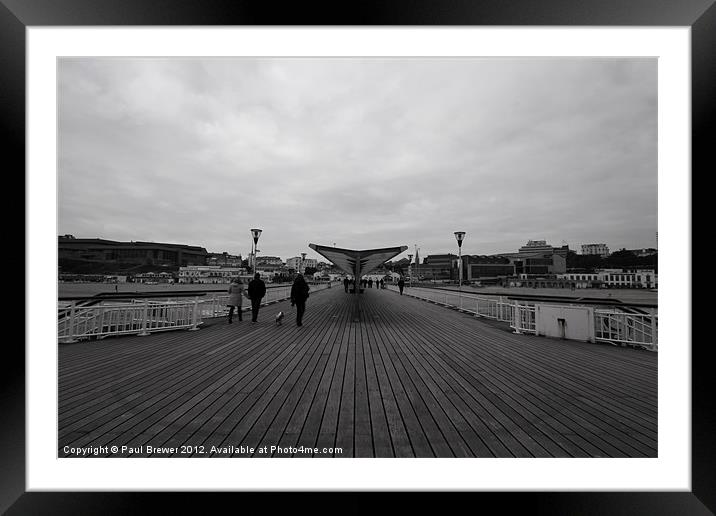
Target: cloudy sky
<point x="362" y="153"/>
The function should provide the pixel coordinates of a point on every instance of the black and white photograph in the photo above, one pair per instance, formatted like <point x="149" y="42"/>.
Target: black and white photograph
<point x="357" y="257"/>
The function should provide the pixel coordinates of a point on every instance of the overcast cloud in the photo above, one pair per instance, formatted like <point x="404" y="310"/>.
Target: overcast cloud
<point x="362" y="153"/>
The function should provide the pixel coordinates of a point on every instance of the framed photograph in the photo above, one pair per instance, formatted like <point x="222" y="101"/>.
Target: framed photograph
<point x="567" y="124"/>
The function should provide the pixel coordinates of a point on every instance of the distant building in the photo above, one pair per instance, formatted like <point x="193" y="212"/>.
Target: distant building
<point x="269" y="265"/>
<point x="649" y="251"/>
<point x="300" y="264"/>
<point x="583" y="279"/>
<point x="270" y="261"/>
<point x="438" y="267"/>
<point x="209" y="274"/>
<point x="223" y="259"/>
<point x="153" y="278"/>
<point x="487" y="269"/>
<point x="538" y="259"/>
<point x="533" y="246"/>
<point x="613" y="278"/>
<point x="619" y="278"/>
<point x="542" y="247"/>
<point x="595" y="250"/>
<point x="100" y="250"/>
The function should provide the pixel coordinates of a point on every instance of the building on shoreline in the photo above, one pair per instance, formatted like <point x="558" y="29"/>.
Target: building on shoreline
<point x="300" y="264"/>
<point x="595" y="250"/>
<point x="209" y="274"/>
<point x="224" y="259"/>
<point x="139" y="253"/>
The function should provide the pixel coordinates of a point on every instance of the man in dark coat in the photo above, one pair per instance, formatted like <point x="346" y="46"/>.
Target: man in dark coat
<point x="345" y="284"/>
<point x="299" y="294"/>
<point x="256" y="290"/>
<point x="401" y="284"/>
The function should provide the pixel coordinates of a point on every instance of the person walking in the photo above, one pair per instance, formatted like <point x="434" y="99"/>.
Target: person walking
<point x="401" y="284"/>
<point x="256" y="290"/>
<point x="299" y="294"/>
<point x="382" y="283"/>
<point x="345" y="284"/>
<point x="370" y="283"/>
<point x="236" y="293"/>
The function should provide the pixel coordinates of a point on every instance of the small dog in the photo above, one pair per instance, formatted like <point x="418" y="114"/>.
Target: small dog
<point x="279" y="318"/>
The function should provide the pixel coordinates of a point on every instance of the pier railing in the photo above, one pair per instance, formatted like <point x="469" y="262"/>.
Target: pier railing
<point x="126" y="319"/>
<point x="625" y="328"/>
<point x="612" y="326"/>
<point x="145" y="316"/>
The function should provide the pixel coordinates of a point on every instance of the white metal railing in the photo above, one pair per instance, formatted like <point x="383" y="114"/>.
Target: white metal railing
<point x="144" y="316"/>
<point x="524" y="319"/>
<point x="609" y="325"/>
<point x="489" y="307"/>
<point x="626" y="328"/>
<point x="126" y="318"/>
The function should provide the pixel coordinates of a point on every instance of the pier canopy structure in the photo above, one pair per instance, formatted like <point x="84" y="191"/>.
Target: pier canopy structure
<point x="355" y="262"/>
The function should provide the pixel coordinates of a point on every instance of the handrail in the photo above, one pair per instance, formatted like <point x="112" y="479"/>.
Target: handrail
<point x="624" y="328"/>
<point x="635" y="329"/>
<point x="142" y="317"/>
<point x="542" y="297"/>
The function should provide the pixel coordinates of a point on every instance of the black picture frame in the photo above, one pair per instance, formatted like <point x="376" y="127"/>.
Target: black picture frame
<point x="16" y="15"/>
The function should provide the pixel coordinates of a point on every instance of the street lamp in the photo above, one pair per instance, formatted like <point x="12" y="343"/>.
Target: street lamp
<point x="459" y="235"/>
<point x="410" y="271"/>
<point x="255" y="233"/>
<point x="417" y="264"/>
<point x="300" y="267"/>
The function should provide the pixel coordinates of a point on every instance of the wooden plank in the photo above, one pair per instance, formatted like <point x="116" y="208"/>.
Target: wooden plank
<point x="296" y="401"/>
<point x="328" y="429"/>
<point x="344" y="438"/>
<point x="443" y="435"/>
<point x="406" y="378"/>
<point x="261" y="417"/>
<point x="384" y="405"/>
<point x="363" y="433"/>
<point x="184" y="377"/>
<point x="514" y="375"/>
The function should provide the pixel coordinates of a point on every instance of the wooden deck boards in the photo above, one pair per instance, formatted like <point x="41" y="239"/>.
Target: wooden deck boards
<point x="372" y="375"/>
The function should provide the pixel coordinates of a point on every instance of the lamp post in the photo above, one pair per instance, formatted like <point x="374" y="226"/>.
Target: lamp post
<point x="300" y="267"/>
<point x="410" y="271"/>
<point x="417" y="263"/>
<point x="255" y="233"/>
<point x="459" y="235"/>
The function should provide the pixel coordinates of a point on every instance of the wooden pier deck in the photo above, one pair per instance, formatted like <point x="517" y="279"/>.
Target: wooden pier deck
<point x="371" y="375"/>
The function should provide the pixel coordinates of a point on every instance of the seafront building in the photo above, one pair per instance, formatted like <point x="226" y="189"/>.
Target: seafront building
<point x="595" y="250"/>
<point x="209" y="274"/>
<point x="224" y="259"/>
<point x="300" y="264"/>
<point x="112" y="251"/>
<point x="269" y="265"/>
<point x="153" y="278"/>
<point x="537" y="258"/>
<point x="533" y="247"/>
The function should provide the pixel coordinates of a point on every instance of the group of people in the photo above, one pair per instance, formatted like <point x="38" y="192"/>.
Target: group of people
<point x="368" y="283"/>
<point x="257" y="290"/>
